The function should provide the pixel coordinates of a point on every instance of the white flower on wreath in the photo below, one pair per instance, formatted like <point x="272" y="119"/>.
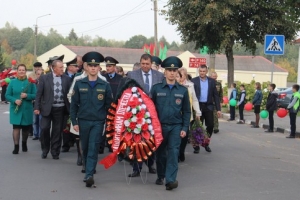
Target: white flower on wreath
<point x="139" y="125"/>
<point x="134" y="95"/>
<point x="137" y="131"/>
<point x="133" y="119"/>
<point x="133" y="89"/>
<point x="147" y="114"/>
<point x="126" y="123"/>
<point x="134" y="111"/>
<point x="152" y="132"/>
<point x="128" y="108"/>
<point x="148" y="121"/>
<point x="143" y="106"/>
<point x="140" y="100"/>
<point x="150" y="128"/>
<point x="144" y="120"/>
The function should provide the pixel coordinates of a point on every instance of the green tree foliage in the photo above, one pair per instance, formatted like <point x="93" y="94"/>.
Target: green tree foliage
<point x="136" y="42"/>
<point x="219" y="24"/>
<point x="2" y="60"/>
<point x="72" y="35"/>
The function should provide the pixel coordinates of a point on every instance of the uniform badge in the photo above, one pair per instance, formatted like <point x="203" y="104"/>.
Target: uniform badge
<point x="93" y="60"/>
<point x="172" y="65"/>
<point x="100" y="96"/>
<point x="178" y="101"/>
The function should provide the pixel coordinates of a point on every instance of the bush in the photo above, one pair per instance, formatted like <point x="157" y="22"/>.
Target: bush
<point x="250" y="90"/>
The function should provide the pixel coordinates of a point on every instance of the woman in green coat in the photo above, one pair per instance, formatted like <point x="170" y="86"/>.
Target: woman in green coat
<point x="20" y="93"/>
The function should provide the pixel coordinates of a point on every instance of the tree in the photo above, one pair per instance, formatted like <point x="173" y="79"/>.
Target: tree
<point x="72" y="35"/>
<point x="220" y="24"/>
<point x="2" y="60"/>
<point x="28" y="60"/>
<point x="136" y="42"/>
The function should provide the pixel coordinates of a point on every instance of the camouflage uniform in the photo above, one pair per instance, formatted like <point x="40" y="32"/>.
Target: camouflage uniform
<point x="220" y="92"/>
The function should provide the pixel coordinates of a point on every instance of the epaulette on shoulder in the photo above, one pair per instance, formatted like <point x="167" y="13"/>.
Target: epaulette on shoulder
<point x="157" y="83"/>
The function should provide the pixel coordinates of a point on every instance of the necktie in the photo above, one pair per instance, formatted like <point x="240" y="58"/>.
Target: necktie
<point x="147" y="85"/>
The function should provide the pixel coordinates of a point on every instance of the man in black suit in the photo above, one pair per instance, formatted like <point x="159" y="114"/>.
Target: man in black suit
<point x="207" y="95"/>
<point x="111" y="76"/>
<point x="52" y="102"/>
<point x="68" y="138"/>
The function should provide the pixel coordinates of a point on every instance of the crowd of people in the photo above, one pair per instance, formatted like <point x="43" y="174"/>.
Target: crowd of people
<point x="69" y="106"/>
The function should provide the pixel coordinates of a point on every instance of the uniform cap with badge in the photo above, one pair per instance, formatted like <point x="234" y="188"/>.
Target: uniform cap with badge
<point x="51" y="59"/>
<point x="72" y="62"/>
<point x="110" y="60"/>
<point x="172" y="62"/>
<point x="156" y="60"/>
<point x="93" y="58"/>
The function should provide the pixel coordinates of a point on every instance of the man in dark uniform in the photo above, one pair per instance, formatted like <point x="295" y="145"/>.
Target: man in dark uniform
<point x="214" y="76"/>
<point x="71" y="70"/>
<point x="174" y="112"/>
<point x="111" y="76"/>
<point x="91" y="99"/>
<point x="156" y="62"/>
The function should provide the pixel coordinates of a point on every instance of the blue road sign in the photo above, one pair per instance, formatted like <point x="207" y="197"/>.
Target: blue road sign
<point x="274" y="44"/>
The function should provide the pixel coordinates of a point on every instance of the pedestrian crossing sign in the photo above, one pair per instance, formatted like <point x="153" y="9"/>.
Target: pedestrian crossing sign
<point x="274" y="44"/>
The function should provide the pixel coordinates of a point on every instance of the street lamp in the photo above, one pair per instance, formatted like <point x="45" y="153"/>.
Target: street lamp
<point x="35" y="34"/>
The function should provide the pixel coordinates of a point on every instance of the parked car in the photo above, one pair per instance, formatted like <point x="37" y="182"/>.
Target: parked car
<point x="284" y="98"/>
<point x="280" y="89"/>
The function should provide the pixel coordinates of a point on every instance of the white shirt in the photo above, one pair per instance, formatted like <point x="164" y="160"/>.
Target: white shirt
<point x="149" y="76"/>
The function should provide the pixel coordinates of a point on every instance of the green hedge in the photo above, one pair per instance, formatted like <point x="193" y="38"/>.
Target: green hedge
<point x="250" y="90"/>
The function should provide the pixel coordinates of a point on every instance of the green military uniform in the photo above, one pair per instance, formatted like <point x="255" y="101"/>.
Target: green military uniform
<point x="216" y="119"/>
<point x="89" y="105"/>
<point x="174" y="112"/>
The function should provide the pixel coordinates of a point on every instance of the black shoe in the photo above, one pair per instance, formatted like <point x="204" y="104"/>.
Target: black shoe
<point x="269" y="131"/>
<point x="207" y="148"/>
<point x="16" y="149"/>
<point x="89" y="182"/>
<point x="196" y="150"/>
<point x="79" y="160"/>
<point x="241" y="122"/>
<point x="44" y="155"/>
<point x="134" y="174"/>
<point x="181" y="157"/>
<point x="159" y="181"/>
<point x="152" y="170"/>
<point x="254" y="126"/>
<point x="101" y="150"/>
<point x="65" y="149"/>
<point x="230" y="120"/>
<point x="55" y="157"/>
<point x="290" y="136"/>
<point x="216" y="131"/>
<point x="83" y="171"/>
<point x="171" y="186"/>
<point x="35" y="138"/>
<point x="24" y="147"/>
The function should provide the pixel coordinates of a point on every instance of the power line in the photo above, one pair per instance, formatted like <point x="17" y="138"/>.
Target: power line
<point x="70" y="23"/>
<point x="116" y="20"/>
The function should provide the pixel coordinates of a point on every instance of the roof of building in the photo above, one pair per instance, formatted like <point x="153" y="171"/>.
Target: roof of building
<point x="130" y="56"/>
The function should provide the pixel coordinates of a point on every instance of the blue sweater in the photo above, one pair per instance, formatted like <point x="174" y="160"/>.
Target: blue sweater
<point x="257" y="99"/>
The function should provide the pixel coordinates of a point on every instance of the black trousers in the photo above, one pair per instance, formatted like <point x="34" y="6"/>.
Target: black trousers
<point x="3" y="93"/>
<point x="184" y="142"/>
<point x="232" y="112"/>
<point x="241" y="111"/>
<point x="208" y="117"/>
<point x="293" y="117"/>
<point x="271" y="120"/>
<point x="67" y="137"/>
<point x="52" y="140"/>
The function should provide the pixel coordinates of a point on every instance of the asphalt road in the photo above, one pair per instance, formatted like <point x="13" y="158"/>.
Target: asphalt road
<point x="245" y="164"/>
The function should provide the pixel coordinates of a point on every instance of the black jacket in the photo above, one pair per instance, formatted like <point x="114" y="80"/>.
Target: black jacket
<point x="272" y="101"/>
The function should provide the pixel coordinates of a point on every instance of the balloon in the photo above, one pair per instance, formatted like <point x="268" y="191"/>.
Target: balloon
<point x="7" y="80"/>
<point x="248" y="106"/>
<point x="232" y="102"/>
<point x="13" y="62"/>
<point x="282" y="112"/>
<point x="225" y="100"/>
<point x="264" y="114"/>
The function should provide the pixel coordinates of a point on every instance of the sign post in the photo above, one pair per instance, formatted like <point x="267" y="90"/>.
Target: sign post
<point x="274" y="45"/>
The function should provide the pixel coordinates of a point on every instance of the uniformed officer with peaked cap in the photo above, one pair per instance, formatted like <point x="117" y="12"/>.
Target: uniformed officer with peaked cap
<point x="174" y="112"/>
<point x="91" y="99"/>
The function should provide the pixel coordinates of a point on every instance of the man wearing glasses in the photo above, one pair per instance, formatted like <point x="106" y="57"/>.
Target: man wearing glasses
<point x="91" y="98"/>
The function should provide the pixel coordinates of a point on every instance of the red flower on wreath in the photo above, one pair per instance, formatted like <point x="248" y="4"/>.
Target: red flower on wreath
<point x="132" y="125"/>
<point x="145" y="127"/>
<point x="134" y="102"/>
<point x="141" y="114"/>
<point x="31" y="80"/>
<point x="128" y="115"/>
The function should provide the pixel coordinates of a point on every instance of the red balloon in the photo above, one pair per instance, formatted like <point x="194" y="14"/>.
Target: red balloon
<point x="248" y="106"/>
<point x="13" y="62"/>
<point x="282" y="112"/>
<point x="225" y="100"/>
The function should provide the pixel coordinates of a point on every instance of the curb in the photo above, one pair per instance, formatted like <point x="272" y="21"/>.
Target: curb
<point x="265" y="126"/>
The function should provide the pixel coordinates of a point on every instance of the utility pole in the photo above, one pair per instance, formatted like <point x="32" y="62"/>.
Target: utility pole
<point x="155" y="27"/>
<point x="35" y="34"/>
